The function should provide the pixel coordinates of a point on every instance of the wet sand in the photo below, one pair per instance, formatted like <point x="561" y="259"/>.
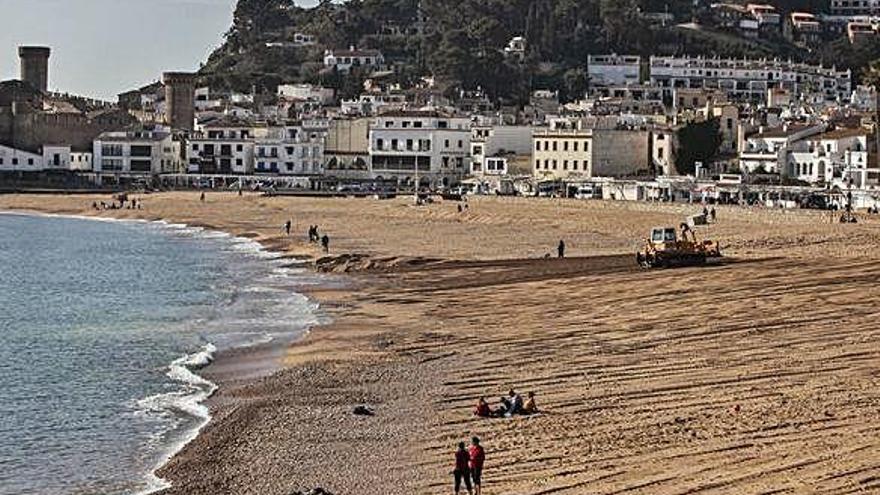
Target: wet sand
<point x="758" y="375"/>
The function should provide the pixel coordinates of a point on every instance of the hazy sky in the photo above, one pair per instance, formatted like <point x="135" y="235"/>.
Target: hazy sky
<point x="104" y="47"/>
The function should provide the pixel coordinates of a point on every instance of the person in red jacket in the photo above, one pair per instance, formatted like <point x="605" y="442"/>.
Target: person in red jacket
<point x="482" y="410"/>
<point x="477" y="458"/>
<point x="462" y="470"/>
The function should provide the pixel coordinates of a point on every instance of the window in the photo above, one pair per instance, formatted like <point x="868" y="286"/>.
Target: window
<point x="289" y="150"/>
<point x="546" y="164"/>
<point x="195" y="147"/>
<point x="409" y="144"/>
<point x="554" y="164"/>
<point x="141" y="165"/>
<point x="389" y="124"/>
<point x="565" y="146"/>
<point x="460" y="144"/>
<point x="537" y="145"/>
<point x="446" y="143"/>
<point x="380" y="144"/>
<point x="405" y="124"/>
<point x="442" y="124"/>
<point x="575" y="144"/>
<point x="111" y="150"/>
<point x="394" y="144"/>
<point x="30" y="161"/>
<point x="15" y="161"/>
<point x="478" y="150"/>
<point x="565" y="165"/>
<point x="417" y="124"/>
<point x="239" y="147"/>
<point x="555" y="145"/>
<point x="239" y="162"/>
<point x="574" y="165"/>
<point x="586" y="146"/>
<point x="660" y="152"/>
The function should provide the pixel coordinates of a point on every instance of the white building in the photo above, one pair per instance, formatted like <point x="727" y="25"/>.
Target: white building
<point x="766" y="151"/>
<point x="373" y="104"/>
<point x="750" y="79"/>
<point x="855" y="7"/>
<point x="614" y="70"/>
<point x="836" y="154"/>
<point x="137" y="152"/>
<point x="306" y="92"/>
<point x="491" y="146"/>
<point x="50" y="157"/>
<point x="345" y="60"/>
<point x="289" y="150"/>
<point x="433" y="145"/>
<point x="225" y="146"/>
<point x="12" y="159"/>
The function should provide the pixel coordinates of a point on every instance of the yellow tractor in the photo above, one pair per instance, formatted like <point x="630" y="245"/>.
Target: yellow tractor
<point x="667" y="248"/>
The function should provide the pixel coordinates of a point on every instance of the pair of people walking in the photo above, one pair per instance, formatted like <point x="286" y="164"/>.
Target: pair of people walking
<point x="469" y="467"/>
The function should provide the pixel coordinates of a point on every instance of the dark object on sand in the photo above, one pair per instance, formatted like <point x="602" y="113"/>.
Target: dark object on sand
<point x="363" y="411"/>
<point x="314" y="491"/>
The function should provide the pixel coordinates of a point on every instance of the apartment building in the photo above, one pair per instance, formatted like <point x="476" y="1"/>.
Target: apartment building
<point x="855" y="7"/>
<point x="584" y="153"/>
<point x="614" y="70"/>
<point x="493" y="146"/>
<point x="141" y="151"/>
<point x="289" y="150"/>
<point x="749" y="80"/>
<point x="431" y="144"/>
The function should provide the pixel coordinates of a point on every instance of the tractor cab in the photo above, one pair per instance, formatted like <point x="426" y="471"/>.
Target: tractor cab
<point x="664" y="235"/>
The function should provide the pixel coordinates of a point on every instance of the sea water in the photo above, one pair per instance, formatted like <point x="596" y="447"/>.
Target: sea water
<point x="103" y="329"/>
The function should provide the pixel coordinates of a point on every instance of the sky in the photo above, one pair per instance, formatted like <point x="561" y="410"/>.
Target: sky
<point x="101" y="48"/>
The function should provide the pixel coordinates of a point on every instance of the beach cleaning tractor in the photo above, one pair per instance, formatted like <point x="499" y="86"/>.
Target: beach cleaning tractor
<point x="667" y="248"/>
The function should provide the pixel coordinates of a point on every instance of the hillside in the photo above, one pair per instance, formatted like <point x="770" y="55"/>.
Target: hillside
<point x="461" y="42"/>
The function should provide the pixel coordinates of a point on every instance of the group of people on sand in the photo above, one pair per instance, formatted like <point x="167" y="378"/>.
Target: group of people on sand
<point x="469" y="467"/>
<point x="508" y="406"/>
<point x="121" y="204"/>
<point x="315" y="237"/>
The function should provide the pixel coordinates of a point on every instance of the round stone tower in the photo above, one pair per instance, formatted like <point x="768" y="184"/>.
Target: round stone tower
<point x="180" y="95"/>
<point x="35" y="66"/>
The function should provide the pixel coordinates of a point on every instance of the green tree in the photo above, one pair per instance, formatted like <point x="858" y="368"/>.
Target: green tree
<point x="698" y="142"/>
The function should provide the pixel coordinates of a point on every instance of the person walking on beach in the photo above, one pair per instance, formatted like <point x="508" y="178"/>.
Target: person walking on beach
<point x="202" y="197"/>
<point x="712" y="214"/>
<point x="477" y="457"/>
<point x="462" y="470"/>
<point x="325" y="243"/>
<point x="287" y="226"/>
<point x="561" y="249"/>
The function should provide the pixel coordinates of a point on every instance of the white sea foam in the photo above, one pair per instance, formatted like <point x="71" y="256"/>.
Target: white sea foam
<point x="186" y="403"/>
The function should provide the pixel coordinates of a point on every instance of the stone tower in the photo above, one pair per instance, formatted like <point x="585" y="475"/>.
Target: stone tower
<point x="35" y="66"/>
<point x="180" y="95"/>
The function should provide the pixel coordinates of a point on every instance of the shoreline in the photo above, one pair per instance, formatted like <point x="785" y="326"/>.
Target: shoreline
<point x="238" y="366"/>
<point x="749" y="376"/>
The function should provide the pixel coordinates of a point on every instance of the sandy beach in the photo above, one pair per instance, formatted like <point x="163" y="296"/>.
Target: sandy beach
<point x="756" y="376"/>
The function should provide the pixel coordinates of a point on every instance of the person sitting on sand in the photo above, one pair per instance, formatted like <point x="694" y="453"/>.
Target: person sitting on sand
<point x="325" y="243"/>
<point x="516" y="402"/>
<point x="482" y="410"/>
<point x="530" y="407"/>
<point x="503" y="408"/>
<point x="462" y="470"/>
